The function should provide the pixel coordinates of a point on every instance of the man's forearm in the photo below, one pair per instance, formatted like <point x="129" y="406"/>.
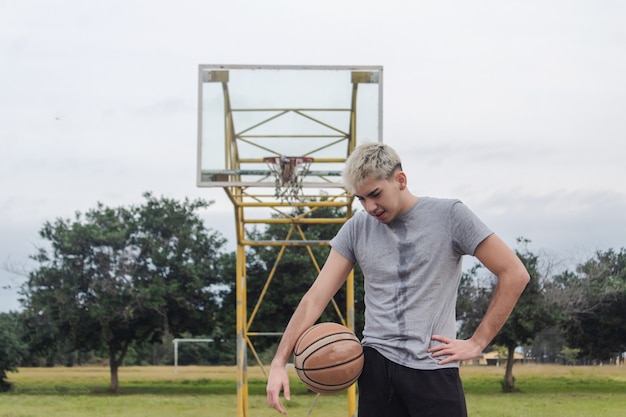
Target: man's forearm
<point x="507" y="292"/>
<point x="304" y="317"/>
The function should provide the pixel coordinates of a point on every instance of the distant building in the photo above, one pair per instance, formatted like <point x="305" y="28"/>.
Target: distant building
<point x="491" y="359"/>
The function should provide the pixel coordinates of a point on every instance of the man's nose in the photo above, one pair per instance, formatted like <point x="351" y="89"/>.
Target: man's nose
<point x="370" y="205"/>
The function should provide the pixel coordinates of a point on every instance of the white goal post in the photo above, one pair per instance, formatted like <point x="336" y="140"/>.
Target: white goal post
<point x="177" y="341"/>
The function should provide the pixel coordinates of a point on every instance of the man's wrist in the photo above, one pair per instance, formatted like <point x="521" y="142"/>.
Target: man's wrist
<point x="278" y="363"/>
<point x="480" y="342"/>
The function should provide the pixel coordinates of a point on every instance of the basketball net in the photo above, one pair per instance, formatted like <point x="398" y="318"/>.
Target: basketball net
<point x="289" y="172"/>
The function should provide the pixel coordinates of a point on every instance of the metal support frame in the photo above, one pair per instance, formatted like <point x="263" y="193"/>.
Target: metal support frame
<point x="247" y="195"/>
<point x="246" y="313"/>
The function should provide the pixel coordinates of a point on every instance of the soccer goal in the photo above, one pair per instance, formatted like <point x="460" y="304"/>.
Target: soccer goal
<point x="177" y="341"/>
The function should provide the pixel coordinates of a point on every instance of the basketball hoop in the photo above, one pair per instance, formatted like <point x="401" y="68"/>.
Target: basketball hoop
<point x="289" y="172"/>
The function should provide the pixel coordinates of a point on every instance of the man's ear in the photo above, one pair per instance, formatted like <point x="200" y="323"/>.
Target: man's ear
<point x="402" y="180"/>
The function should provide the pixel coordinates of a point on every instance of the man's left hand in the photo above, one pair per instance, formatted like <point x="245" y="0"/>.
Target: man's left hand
<point x="456" y="350"/>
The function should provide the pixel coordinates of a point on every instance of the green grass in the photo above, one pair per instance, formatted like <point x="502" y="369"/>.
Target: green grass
<point x="552" y="391"/>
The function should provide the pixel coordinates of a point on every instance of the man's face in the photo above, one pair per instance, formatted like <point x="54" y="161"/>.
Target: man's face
<point x="380" y="198"/>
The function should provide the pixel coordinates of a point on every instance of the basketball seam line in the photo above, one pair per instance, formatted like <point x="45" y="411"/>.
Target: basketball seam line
<point x="320" y="385"/>
<point x="329" y="366"/>
<point x="324" y="345"/>
<point x="352" y="337"/>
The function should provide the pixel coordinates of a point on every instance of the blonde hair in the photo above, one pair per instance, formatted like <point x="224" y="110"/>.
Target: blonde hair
<point x="369" y="160"/>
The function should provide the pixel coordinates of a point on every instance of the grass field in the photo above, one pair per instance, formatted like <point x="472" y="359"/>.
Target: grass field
<point x="545" y="391"/>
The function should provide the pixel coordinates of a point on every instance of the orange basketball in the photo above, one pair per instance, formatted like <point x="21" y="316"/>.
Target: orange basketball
<point x="328" y="358"/>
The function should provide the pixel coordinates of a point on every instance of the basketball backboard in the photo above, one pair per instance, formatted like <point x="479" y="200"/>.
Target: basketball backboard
<point x="249" y="115"/>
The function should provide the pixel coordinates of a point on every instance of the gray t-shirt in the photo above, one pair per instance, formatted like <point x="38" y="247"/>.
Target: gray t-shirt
<point x="412" y="269"/>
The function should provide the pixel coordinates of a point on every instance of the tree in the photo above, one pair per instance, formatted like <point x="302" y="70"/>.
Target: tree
<point x="472" y="300"/>
<point x="11" y="347"/>
<point x="570" y="355"/>
<point x="294" y="274"/>
<point x="117" y="276"/>
<point x="594" y="299"/>
<point x="532" y="313"/>
<point x="549" y="344"/>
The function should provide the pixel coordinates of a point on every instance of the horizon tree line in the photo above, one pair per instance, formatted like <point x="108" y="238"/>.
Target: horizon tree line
<point x="117" y="284"/>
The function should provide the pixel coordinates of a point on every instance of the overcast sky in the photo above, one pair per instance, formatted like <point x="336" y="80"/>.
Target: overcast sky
<point x="518" y="108"/>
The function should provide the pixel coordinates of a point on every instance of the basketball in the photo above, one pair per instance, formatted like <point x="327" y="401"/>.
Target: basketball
<point x="328" y="358"/>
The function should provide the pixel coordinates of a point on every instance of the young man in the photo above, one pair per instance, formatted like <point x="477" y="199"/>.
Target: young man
<point x="410" y="250"/>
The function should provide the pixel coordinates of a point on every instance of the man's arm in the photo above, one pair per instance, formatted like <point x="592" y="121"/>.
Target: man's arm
<point x="330" y="279"/>
<point x="512" y="276"/>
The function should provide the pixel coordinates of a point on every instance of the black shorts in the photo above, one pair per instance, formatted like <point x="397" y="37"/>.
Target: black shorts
<point x="387" y="389"/>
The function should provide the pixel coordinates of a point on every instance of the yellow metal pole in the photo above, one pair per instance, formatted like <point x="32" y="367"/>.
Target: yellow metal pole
<point x="352" y="408"/>
<point x="242" y="357"/>
<point x="241" y="311"/>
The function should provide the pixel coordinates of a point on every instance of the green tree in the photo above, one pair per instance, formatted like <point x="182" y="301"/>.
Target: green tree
<point x="118" y="276"/>
<point x="223" y="350"/>
<point x="503" y="353"/>
<point x="294" y="272"/>
<point x="472" y="301"/>
<point x="532" y="313"/>
<point x="548" y="345"/>
<point x="594" y="299"/>
<point x="11" y="347"/>
<point x="570" y="355"/>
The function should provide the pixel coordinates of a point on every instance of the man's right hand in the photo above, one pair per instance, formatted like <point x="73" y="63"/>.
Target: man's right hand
<point x="278" y="381"/>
